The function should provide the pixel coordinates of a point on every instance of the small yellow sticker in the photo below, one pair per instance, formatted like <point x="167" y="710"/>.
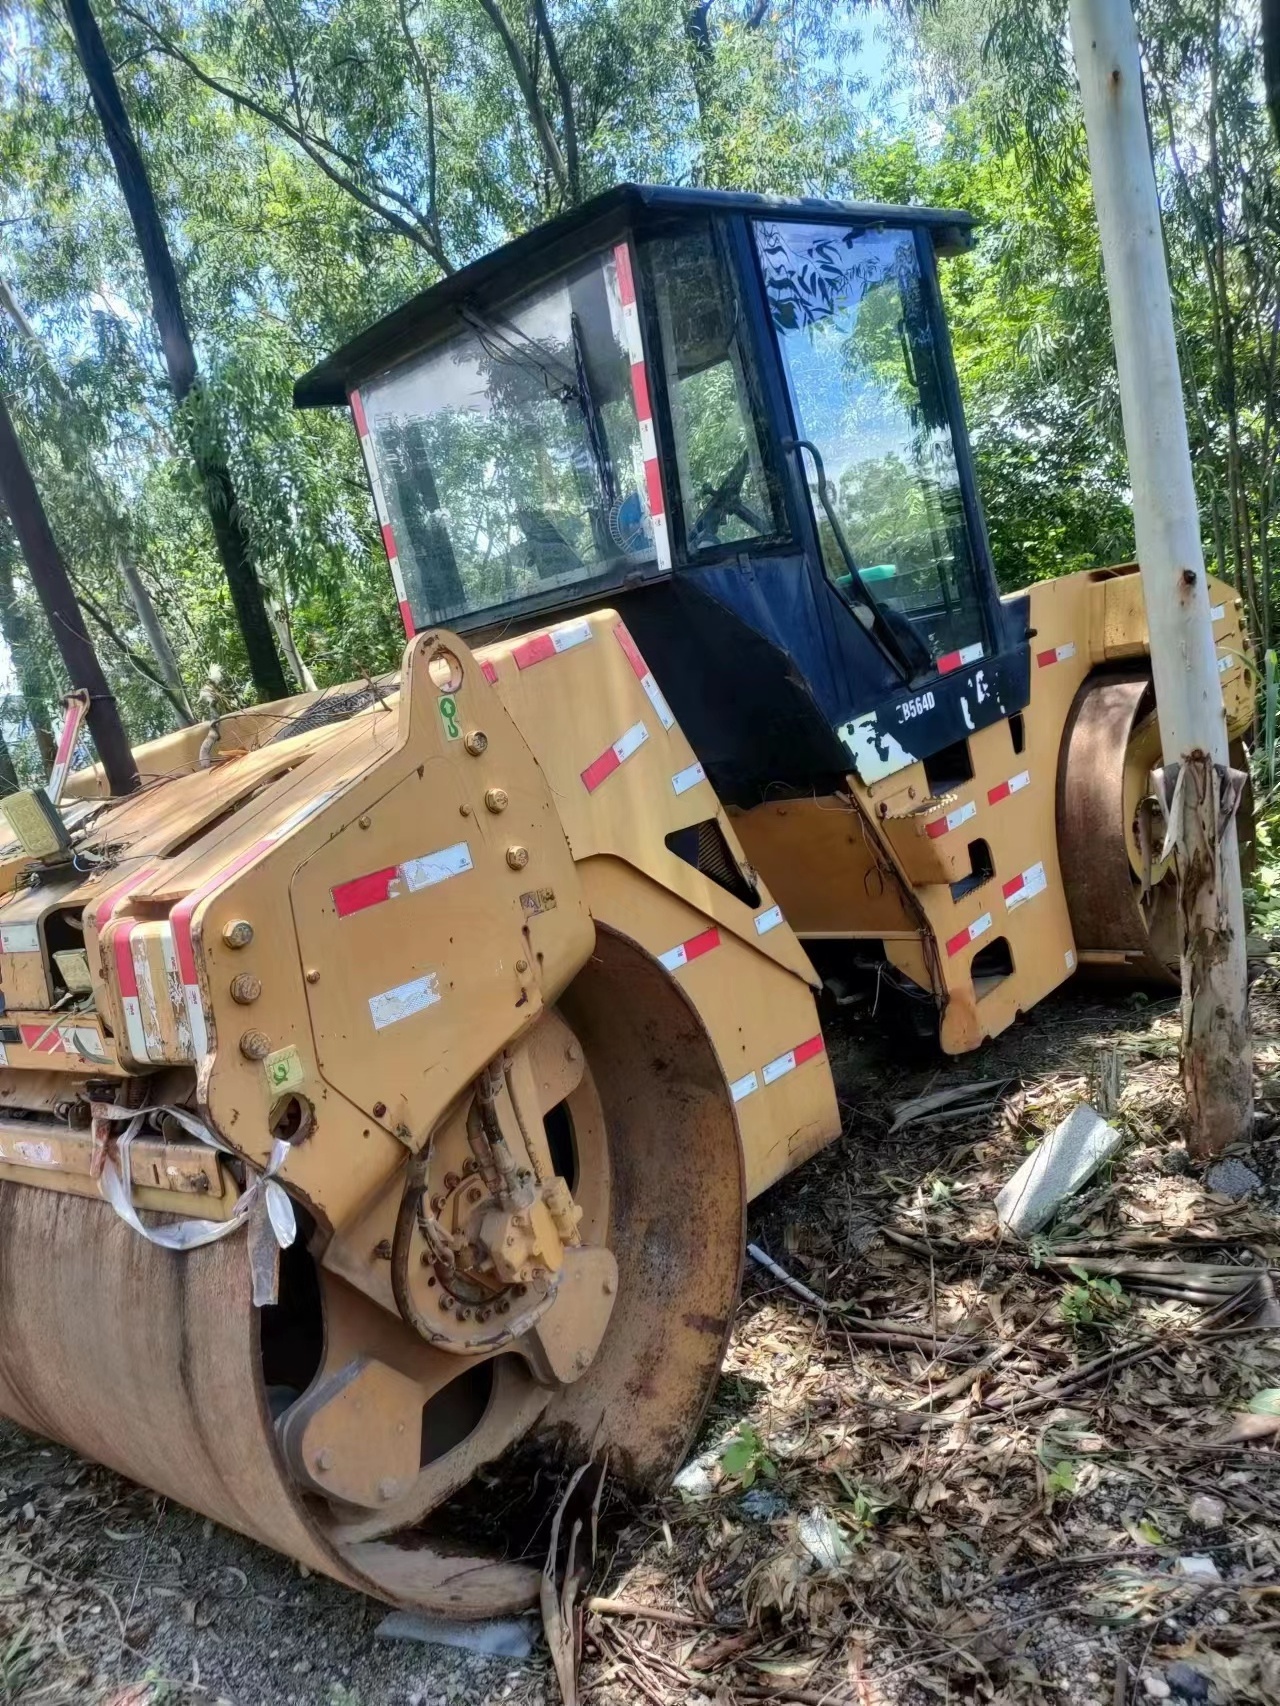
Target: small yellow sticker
<point x="283" y="1070"/>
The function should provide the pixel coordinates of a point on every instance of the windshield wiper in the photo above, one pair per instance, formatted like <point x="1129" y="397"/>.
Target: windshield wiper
<point x="506" y="342"/>
<point x="900" y="638"/>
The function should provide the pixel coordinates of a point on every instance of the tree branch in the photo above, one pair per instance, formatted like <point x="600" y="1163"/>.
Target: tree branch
<point x="317" y="148"/>
<point x="566" y="100"/>
<point x="492" y="10"/>
<point x="135" y="659"/>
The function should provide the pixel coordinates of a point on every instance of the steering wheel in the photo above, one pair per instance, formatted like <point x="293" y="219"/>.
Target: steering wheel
<point x="723" y="501"/>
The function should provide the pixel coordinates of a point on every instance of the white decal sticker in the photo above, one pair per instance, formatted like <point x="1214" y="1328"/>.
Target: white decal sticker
<point x="20" y="938"/>
<point x="656" y="700"/>
<point x="778" y="1068"/>
<point x="569" y="635"/>
<point x="404" y="1001"/>
<point x="4" y="1055"/>
<point x="436" y="867"/>
<point x="35" y="1154"/>
<point x="876" y="754"/>
<point x="744" y="1086"/>
<point x="768" y="920"/>
<point x="626" y="744"/>
<point x="683" y="780"/>
<point x="1217" y="613"/>
<point x="1224" y="664"/>
<point x="1070" y="958"/>
<point x="1025" y="887"/>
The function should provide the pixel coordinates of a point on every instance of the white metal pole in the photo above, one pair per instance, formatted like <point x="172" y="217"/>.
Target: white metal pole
<point x="1217" y="1062"/>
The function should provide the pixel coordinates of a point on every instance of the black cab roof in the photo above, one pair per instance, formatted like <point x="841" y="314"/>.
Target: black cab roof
<point x="548" y="247"/>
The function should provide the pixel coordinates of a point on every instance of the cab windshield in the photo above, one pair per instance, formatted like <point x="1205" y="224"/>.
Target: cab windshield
<point x="859" y="346"/>
<point x="510" y="456"/>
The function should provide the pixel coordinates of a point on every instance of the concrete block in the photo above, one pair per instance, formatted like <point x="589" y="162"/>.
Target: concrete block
<point x="1232" y="1178"/>
<point x="1055" y="1171"/>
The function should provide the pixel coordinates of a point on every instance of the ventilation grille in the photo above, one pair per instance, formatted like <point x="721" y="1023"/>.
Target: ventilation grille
<point x="705" y="847"/>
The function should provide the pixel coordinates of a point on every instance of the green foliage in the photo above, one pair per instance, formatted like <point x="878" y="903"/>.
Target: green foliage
<point x="745" y="1458"/>
<point x="1094" y="1304"/>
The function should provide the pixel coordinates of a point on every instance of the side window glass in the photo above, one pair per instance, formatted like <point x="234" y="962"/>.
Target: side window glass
<point x="857" y="340"/>
<point x="727" y="493"/>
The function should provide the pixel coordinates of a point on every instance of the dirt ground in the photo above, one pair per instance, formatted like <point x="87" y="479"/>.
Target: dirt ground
<point x="978" y="1471"/>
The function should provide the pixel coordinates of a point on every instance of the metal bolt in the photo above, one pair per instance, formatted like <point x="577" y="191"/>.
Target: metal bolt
<point x="572" y="1052"/>
<point x="496" y="800"/>
<point x="324" y="1459"/>
<point x="255" y="1045"/>
<point x="245" y="988"/>
<point x="522" y="965"/>
<point x="379" y="1108"/>
<point x="476" y="741"/>
<point x="364" y="821"/>
<point x="581" y="1360"/>
<point x="446" y="1303"/>
<point x="382" y="1250"/>
<point x="464" y="811"/>
<point x="388" y="1490"/>
<point x="504" y="1308"/>
<point x="464" y="1314"/>
<point x="238" y="934"/>
<point x="517" y="858"/>
<point x="437" y="1203"/>
<point x="451" y="1181"/>
<point x="473" y="1195"/>
<point x="607" y="1288"/>
<point x="483" y="1314"/>
<point x="313" y="976"/>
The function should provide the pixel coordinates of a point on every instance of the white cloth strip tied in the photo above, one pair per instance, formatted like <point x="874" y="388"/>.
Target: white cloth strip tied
<point x="264" y="1206"/>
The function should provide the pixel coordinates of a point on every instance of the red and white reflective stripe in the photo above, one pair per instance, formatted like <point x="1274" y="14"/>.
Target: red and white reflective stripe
<point x="1057" y="654"/>
<point x="953" y="820"/>
<point x="1025" y="886"/>
<point x="127" y="979"/>
<point x="644" y="413"/>
<point x="683" y="780"/>
<point x="613" y="756"/>
<point x="770" y="920"/>
<point x="489" y="671"/>
<point x="957" y="660"/>
<point x="970" y="933"/>
<point x="384" y="516"/>
<point x="692" y="949"/>
<point x="1014" y="785"/>
<point x="414" y="874"/>
<point x="181" y="915"/>
<point x="113" y="899"/>
<point x="794" y="1057"/>
<point x="77" y="708"/>
<point x="644" y="675"/>
<point x="539" y="647"/>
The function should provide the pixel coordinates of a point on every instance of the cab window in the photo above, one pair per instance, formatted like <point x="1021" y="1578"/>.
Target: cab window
<point x="860" y="349"/>
<point x="727" y="493"/>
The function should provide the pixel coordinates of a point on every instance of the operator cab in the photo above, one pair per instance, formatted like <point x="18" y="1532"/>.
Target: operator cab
<point x="736" y="419"/>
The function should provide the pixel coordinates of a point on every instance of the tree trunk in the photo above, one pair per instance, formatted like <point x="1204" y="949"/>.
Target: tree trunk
<point x="179" y="354"/>
<point x="17" y="635"/>
<point x="1217" y="1062"/>
<point x="49" y="576"/>
<point x="140" y="596"/>
<point x="157" y="639"/>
